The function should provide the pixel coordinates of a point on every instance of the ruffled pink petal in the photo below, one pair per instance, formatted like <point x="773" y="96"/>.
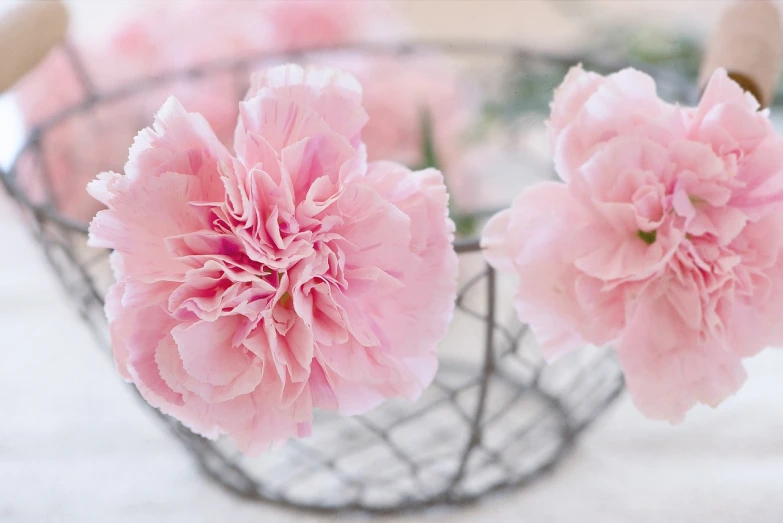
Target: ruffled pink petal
<point x="149" y="331"/>
<point x="179" y="142"/>
<point x="354" y="397"/>
<point x="721" y="90"/>
<point x="422" y="199"/>
<point x="207" y="354"/>
<point x="140" y="215"/>
<point x="314" y="166"/>
<point x="255" y="425"/>
<point x="334" y="94"/>
<point x="569" y="98"/>
<point x="279" y="120"/>
<point x="626" y="103"/>
<point x="120" y="327"/>
<point x="173" y="372"/>
<point x="494" y="241"/>
<point x="668" y="369"/>
<point x="320" y="389"/>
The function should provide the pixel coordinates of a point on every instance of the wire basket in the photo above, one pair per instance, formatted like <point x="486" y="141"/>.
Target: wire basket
<point x="495" y="416"/>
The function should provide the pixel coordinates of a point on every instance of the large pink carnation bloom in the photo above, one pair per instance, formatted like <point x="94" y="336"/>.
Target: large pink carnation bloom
<point x="665" y="242"/>
<point x="293" y="275"/>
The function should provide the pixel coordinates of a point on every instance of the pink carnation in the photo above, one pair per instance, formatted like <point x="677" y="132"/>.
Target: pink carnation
<point x="252" y="288"/>
<point x="665" y="241"/>
<point x="165" y="37"/>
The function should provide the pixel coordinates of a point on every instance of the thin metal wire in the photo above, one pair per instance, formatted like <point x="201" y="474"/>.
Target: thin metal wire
<point x="75" y="59"/>
<point x="487" y="424"/>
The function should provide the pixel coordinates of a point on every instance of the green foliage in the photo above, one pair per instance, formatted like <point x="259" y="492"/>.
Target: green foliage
<point x="527" y="89"/>
<point x="465" y="223"/>
<point x="429" y="157"/>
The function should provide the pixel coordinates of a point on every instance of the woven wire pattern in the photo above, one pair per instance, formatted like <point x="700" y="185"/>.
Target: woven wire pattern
<point x="495" y="417"/>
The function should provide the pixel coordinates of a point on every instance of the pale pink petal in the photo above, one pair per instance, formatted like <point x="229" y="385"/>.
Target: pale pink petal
<point x="569" y="98"/>
<point x="207" y="354"/>
<point x="625" y="103"/>
<point x="149" y="331"/>
<point x="665" y="381"/>
<point x="494" y="242"/>
<point x="121" y="328"/>
<point x="179" y="142"/>
<point x="334" y="94"/>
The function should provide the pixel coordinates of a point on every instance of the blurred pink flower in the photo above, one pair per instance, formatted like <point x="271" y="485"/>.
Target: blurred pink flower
<point x="664" y="242"/>
<point x="399" y="94"/>
<point x="171" y="36"/>
<point x="291" y="276"/>
<point x="307" y="24"/>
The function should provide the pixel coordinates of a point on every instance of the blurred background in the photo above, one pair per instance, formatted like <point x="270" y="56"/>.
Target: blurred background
<point x="75" y="444"/>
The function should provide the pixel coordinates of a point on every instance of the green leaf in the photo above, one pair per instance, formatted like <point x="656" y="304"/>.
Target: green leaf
<point x="429" y="157"/>
<point x="464" y="223"/>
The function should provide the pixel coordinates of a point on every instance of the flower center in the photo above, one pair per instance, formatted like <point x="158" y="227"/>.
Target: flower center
<point x="647" y="237"/>
<point x="285" y="300"/>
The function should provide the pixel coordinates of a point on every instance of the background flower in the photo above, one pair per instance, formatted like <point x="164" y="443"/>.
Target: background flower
<point x="661" y="243"/>
<point x="173" y="36"/>
<point x="254" y="288"/>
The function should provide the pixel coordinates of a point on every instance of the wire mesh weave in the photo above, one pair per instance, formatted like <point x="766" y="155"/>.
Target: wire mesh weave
<point x="495" y="417"/>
